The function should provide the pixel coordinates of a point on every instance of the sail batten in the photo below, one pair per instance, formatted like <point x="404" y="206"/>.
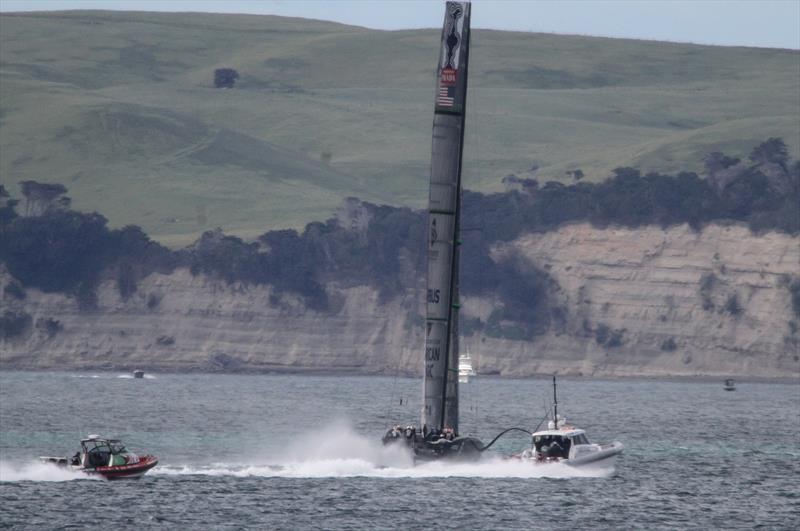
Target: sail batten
<point x="440" y="382"/>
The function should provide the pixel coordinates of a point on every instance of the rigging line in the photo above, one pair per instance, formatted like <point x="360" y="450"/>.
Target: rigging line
<point x="391" y="394"/>
<point x="523" y="430"/>
<point x="547" y="413"/>
<point x="477" y="395"/>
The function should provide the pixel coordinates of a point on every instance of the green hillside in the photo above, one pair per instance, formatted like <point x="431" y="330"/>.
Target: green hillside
<point x="121" y="108"/>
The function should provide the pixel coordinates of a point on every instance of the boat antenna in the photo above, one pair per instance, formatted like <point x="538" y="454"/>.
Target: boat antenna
<point x="555" y="404"/>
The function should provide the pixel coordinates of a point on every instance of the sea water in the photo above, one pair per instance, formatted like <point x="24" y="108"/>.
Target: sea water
<point x="293" y="452"/>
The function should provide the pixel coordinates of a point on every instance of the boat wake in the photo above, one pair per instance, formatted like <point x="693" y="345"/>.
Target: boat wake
<point x="38" y="472"/>
<point x="349" y="468"/>
<point x="341" y="453"/>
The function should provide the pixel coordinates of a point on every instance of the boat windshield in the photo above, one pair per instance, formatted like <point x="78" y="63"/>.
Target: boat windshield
<point x="97" y="452"/>
<point x="96" y="444"/>
<point x="117" y="447"/>
<point x="110" y="446"/>
<point x="580" y="439"/>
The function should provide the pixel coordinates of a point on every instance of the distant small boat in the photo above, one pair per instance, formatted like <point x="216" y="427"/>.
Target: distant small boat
<point x="105" y="457"/>
<point x="465" y="369"/>
<point x="730" y="385"/>
<point x="138" y="374"/>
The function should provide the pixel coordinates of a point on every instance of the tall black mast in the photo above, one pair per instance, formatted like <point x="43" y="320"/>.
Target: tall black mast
<point x="440" y="383"/>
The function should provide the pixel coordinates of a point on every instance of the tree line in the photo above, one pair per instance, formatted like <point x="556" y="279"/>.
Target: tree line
<point x="47" y="245"/>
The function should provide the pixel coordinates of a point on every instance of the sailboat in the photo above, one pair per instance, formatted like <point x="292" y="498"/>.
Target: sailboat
<point x="438" y="435"/>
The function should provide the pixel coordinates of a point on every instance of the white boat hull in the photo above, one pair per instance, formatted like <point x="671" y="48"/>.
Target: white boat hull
<point x="606" y="457"/>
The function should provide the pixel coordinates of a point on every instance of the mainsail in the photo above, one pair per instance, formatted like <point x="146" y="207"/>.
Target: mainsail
<point x="440" y="383"/>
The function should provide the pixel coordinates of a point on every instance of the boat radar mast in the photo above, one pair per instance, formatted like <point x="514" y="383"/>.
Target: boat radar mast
<point x="555" y="404"/>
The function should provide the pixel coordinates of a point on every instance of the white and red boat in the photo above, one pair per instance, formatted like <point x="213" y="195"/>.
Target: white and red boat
<point x="107" y="458"/>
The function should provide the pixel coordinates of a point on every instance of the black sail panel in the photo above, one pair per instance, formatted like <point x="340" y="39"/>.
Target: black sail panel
<point x="440" y="383"/>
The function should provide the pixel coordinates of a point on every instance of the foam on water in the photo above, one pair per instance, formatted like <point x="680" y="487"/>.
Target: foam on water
<point x="345" y="468"/>
<point x="37" y="471"/>
<point x="111" y="376"/>
<point x="337" y="451"/>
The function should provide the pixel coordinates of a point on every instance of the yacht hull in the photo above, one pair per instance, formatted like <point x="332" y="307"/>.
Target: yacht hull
<point x="132" y="471"/>
<point x="606" y="457"/>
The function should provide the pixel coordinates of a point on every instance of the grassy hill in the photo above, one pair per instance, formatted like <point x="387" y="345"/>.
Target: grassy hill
<point x="120" y="107"/>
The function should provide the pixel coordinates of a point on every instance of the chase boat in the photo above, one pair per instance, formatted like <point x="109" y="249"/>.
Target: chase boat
<point x="569" y="445"/>
<point x="561" y="442"/>
<point x="105" y="457"/>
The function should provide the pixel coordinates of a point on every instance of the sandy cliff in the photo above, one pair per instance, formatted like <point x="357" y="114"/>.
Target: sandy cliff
<point x="653" y="301"/>
<point x="638" y="302"/>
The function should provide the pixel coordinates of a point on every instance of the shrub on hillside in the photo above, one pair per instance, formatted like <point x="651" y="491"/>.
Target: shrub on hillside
<point x="67" y="251"/>
<point x="14" y="289"/>
<point x="14" y="324"/>
<point x="50" y="326"/>
<point x="225" y="77"/>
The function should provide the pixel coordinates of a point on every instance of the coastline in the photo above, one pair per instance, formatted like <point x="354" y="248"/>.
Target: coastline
<point x="344" y="372"/>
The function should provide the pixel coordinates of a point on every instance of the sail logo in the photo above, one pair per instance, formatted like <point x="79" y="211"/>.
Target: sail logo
<point x="454" y="23"/>
<point x="446" y="96"/>
<point x="432" y="353"/>
<point x="434" y="232"/>
<point x="451" y="52"/>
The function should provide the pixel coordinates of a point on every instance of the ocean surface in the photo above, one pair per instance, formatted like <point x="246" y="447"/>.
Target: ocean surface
<point x="296" y="452"/>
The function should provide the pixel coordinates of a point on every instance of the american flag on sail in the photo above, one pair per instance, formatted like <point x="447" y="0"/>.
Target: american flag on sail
<point x="446" y="96"/>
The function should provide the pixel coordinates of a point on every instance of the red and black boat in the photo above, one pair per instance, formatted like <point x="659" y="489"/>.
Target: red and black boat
<point x="107" y="458"/>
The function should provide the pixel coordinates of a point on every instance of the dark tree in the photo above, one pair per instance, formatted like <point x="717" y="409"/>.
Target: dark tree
<point x="7" y="213"/>
<point x="39" y="197"/>
<point x="14" y="324"/>
<point x="732" y="305"/>
<point x="772" y="151"/>
<point x="576" y="174"/>
<point x="717" y="161"/>
<point x="225" y="77"/>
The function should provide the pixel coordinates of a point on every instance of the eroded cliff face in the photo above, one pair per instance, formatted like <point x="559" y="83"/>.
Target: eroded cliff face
<point x="185" y="322"/>
<point x="636" y="302"/>
<point x="654" y="302"/>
